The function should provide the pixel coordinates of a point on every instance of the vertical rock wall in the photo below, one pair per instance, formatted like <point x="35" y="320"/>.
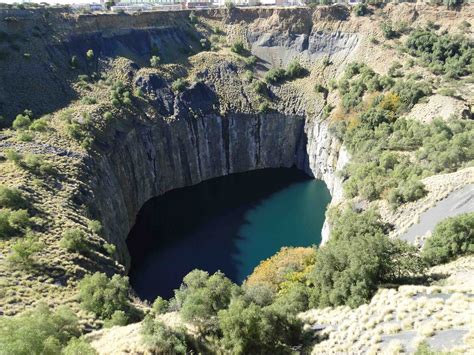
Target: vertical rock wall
<point x="153" y="158"/>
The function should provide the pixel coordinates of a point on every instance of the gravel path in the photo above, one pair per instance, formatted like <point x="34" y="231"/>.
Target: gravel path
<point x="458" y="202"/>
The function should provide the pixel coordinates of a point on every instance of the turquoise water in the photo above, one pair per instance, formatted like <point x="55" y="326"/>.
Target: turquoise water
<point x="228" y="224"/>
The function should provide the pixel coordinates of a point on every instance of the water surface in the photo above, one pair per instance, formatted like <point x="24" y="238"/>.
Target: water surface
<point x="228" y="224"/>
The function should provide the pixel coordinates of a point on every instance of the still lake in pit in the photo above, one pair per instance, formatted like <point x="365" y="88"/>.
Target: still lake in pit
<point x="229" y="224"/>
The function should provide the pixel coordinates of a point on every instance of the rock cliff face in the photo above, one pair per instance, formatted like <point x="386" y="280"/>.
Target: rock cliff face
<point x="152" y="158"/>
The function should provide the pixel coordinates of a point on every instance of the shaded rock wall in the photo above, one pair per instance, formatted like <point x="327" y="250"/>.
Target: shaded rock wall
<point x="152" y="158"/>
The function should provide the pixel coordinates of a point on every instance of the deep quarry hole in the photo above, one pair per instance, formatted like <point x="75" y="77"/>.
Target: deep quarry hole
<point x="228" y="223"/>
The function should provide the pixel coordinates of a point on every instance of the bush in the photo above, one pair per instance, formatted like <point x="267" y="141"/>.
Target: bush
<point x="263" y="107"/>
<point x="259" y="87"/>
<point x="78" y="346"/>
<point x="238" y="47"/>
<point x="160" y="305"/>
<point x="13" y="156"/>
<point x="74" y="240"/>
<point x="37" y="164"/>
<point x="12" y="223"/>
<point x="95" y="226"/>
<point x="21" y="122"/>
<point x="90" y="54"/>
<point x="179" y="85"/>
<point x="40" y="331"/>
<point x="155" y="61"/>
<point x="103" y="296"/>
<point x="388" y="30"/>
<point x="11" y="198"/>
<point x="452" y="237"/>
<point x="442" y="53"/>
<point x="74" y="62"/>
<point x="24" y="250"/>
<point x="201" y="296"/>
<point x="119" y="318"/>
<point x="40" y="125"/>
<point x="162" y="339"/>
<point x="360" y="9"/>
<point x="250" y="329"/>
<point x="356" y="259"/>
<point x="294" y="70"/>
<point x="274" y="76"/>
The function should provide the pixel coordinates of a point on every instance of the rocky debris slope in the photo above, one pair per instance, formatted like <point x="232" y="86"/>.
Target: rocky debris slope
<point x="398" y="320"/>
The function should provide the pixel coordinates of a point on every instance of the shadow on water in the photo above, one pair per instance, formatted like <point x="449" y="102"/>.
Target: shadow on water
<point x="206" y="226"/>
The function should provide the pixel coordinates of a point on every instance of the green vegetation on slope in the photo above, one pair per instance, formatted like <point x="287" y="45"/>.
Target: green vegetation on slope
<point x="42" y="331"/>
<point x="452" y="238"/>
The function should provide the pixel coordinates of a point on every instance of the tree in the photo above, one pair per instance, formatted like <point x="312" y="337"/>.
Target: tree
<point x="357" y="258"/>
<point x="251" y="329"/>
<point x="104" y="296"/>
<point x="452" y="237"/>
<point x="201" y="296"/>
<point x="41" y="331"/>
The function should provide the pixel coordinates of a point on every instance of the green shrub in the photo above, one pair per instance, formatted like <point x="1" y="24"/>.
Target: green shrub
<point x="78" y="346"/>
<point x="179" y="85"/>
<point x="388" y="30"/>
<point x="356" y="259"/>
<point x="360" y="9"/>
<point x="442" y="53"/>
<point x="162" y="339"/>
<point x="37" y="164"/>
<point x="24" y="251"/>
<point x="74" y="62"/>
<point x="90" y="54"/>
<point x="13" y="156"/>
<point x="275" y="75"/>
<point x="160" y="305"/>
<point x="13" y="223"/>
<point x="110" y="249"/>
<point x="94" y="226"/>
<point x="251" y="329"/>
<point x="21" y="122"/>
<point x="259" y="87"/>
<point x="294" y="70"/>
<point x="40" y="331"/>
<point x="452" y="237"/>
<point x="411" y="91"/>
<point x="40" y="125"/>
<point x="201" y="296"/>
<point x="155" y="61"/>
<point x="108" y="116"/>
<point x="103" y="296"/>
<point x="74" y="240"/>
<point x="11" y="198"/>
<point x="238" y="47"/>
<point x="119" y="318"/>
<point x="263" y="107"/>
